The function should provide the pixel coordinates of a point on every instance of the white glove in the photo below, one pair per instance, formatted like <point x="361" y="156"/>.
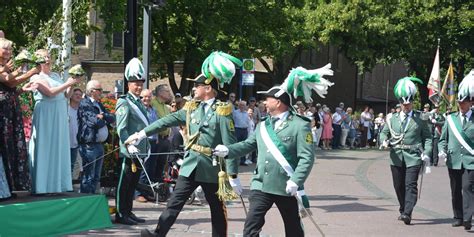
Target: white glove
<point x="425" y="158"/>
<point x="221" y="151"/>
<point x="236" y="186"/>
<point x="180" y="162"/>
<point x="132" y="149"/>
<point x="291" y="187"/>
<point x="442" y="155"/>
<point x="427" y="170"/>
<point x="384" y="144"/>
<point x="433" y="120"/>
<point x="136" y="138"/>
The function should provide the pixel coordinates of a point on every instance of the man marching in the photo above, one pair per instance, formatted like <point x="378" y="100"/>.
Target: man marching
<point x="285" y="152"/>
<point x="131" y="117"/>
<point x="457" y="146"/>
<point x="208" y="123"/>
<point x="409" y="139"/>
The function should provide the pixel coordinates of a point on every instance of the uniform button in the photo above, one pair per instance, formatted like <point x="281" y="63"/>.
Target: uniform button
<point x="462" y="147"/>
<point x="266" y="172"/>
<point x="266" y="162"/>
<point x="268" y="150"/>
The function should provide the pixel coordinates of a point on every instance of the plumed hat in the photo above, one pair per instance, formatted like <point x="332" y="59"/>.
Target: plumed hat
<point x="301" y="82"/>
<point x="405" y="89"/>
<point x="134" y="70"/>
<point x="217" y="69"/>
<point x="466" y="88"/>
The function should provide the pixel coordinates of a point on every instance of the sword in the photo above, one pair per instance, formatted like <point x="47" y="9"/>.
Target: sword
<point x="421" y="180"/>
<point x="243" y="204"/>
<point x="152" y="185"/>
<point x="310" y="216"/>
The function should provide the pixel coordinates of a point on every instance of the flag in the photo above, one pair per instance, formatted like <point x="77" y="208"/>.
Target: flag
<point x="434" y="81"/>
<point x="448" y="89"/>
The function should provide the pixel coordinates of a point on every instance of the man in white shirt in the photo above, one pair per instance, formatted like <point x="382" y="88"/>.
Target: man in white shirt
<point x="241" y="121"/>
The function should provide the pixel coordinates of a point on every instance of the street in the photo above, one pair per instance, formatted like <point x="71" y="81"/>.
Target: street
<point x="350" y="193"/>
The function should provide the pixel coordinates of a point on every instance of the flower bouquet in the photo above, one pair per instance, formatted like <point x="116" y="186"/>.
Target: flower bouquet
<point x="77" y="71"/>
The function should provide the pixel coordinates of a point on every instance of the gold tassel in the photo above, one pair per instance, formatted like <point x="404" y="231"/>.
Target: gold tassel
<point x="225" y="191"/>
<point x="134" y="167"/>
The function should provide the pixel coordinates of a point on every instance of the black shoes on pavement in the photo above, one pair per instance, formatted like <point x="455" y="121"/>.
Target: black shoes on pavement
<point x="406" y="219"/>
<point x="136" y="219"/>
<point x="467" y="225"/>
<point x="131" y="219"/>
<point x="148" y="233"/>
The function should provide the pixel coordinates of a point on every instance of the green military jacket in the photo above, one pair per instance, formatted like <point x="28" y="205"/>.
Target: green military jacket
<point x="269" y="176"/>
<point x="214" y="128"/>
<point x="438" y="125"/>
<point x="458" y="156"/>
<point x="416" y="135"/>
<point x="129" y="121"/>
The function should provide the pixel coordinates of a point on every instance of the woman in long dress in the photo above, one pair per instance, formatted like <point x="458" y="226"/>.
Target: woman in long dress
<point x="327" y="128"/>
<point x="49" y="145"/>
<point x="14" y="168"/>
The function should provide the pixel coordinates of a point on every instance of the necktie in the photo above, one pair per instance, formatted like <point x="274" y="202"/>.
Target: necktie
<point x="405" y="121"/>
<point x="140" y="105"/>
<point x="203" y="110"/>
<point x="274" y="120"/>
<point x="464" y="121"/>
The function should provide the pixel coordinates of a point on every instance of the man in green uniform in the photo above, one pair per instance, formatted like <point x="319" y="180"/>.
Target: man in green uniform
<point x="456" y="145"/>
<point x="208" y="123"/>
<point x="131" y="117"/>
<point x="285" y="158"/>
<point x="409" y="139"/>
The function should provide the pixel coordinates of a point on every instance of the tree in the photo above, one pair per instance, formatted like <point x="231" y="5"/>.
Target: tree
<point x="370" y="32"/>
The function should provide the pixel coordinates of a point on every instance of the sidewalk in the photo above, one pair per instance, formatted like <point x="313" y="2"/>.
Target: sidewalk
<point x="350" y="192"/>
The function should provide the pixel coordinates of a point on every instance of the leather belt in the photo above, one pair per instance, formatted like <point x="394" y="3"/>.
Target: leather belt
<point x="207" y="151"/>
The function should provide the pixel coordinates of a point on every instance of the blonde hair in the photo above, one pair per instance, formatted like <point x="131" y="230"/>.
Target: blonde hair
<point x="4" y="43"/>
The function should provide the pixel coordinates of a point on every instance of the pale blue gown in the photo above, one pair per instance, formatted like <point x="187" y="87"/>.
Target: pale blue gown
<point x="49" y="153"/>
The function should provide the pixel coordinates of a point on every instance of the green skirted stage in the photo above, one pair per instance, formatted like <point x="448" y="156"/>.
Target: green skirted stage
<point x="54" y="215"/>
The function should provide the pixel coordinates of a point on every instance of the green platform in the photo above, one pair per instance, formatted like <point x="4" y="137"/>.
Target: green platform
<point x="53" y="216"/>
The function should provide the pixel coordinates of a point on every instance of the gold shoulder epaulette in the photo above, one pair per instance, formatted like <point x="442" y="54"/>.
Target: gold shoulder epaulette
<point x="190" y="105"/>
<point x="223" y="108"/>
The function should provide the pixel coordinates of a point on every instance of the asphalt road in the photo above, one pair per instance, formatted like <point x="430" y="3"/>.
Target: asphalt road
<point x="350" y="193"/>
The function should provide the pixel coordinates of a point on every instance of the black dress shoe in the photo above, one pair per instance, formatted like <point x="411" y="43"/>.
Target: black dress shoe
<point x="399" y="217"/>
<point x="147" y="233"/>
<point x="456" y="223"/>
<point x="126" y="220"/>
<point x="467" y="225"/>
<point x="406" y="219"/>
<point x="136" y="219"/>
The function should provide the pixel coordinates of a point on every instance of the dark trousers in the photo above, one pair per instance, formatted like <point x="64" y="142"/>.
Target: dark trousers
<point x="126" y="186"/>
<point x="150" y="167"/>
<point x="434" y="158"/>
<point x="164" y="146"/>
<point x="336" y="133"/>
<point x="241" y="134"/>
<point x="185" y="186"/>
<point x="462" y="197"/>
<point x="406" y="186"/>
<point x="261" y="202"/>
<point x="363" y="136"/>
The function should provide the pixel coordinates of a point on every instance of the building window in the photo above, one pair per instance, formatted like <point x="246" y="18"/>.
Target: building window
<point x="80" y="40"/>
<point x="117" y="40"/>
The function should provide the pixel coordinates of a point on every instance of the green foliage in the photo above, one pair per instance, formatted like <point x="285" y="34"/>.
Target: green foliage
<point x="371" y="32"/>
<point x="113" y="13"/>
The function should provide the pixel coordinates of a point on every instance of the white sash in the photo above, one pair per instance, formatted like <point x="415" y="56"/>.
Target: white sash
<point x="277" y="154"/>
<point x="458" y="135"/>
<point x="143" y="118"/>
<point x="274" y="150"/>
<point x="138" y="112"/>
